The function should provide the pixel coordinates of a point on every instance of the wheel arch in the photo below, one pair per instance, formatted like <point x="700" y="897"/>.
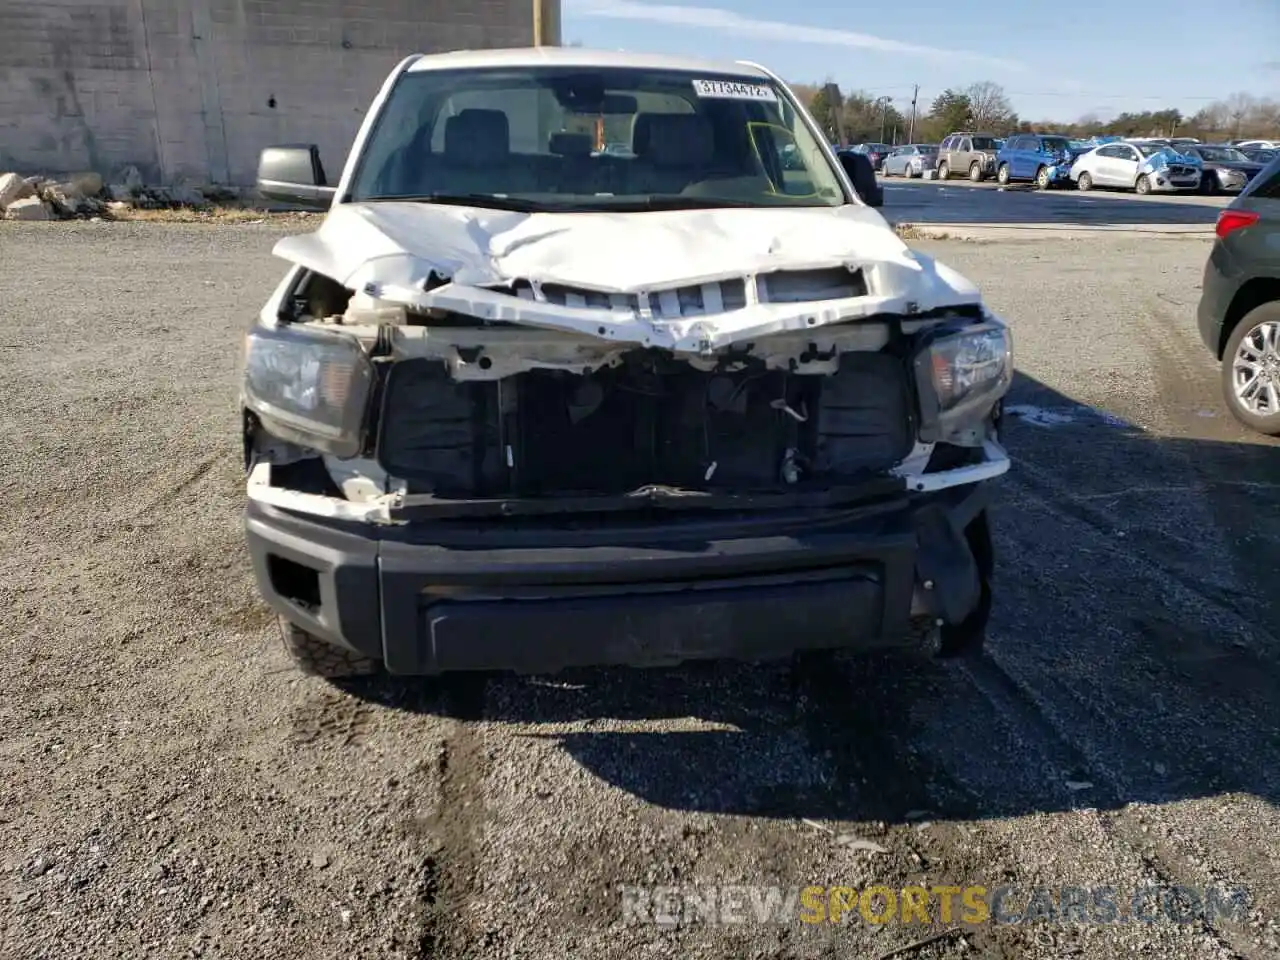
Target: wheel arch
<point x="1249" y="297"/>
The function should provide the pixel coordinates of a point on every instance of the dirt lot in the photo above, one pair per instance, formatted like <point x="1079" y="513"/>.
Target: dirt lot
<point x="169" y="787"/>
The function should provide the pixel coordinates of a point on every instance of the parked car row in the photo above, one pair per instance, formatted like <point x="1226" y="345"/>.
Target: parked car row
<point x="1144" y="165"/>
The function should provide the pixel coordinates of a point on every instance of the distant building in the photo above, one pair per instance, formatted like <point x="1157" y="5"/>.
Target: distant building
<point x="193" y="89"/>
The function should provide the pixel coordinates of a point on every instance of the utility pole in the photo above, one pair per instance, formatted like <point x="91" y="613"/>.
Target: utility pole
<point x="835" y="101"/>
<point x="884" y="114"/>
<point x="911" y="131"/>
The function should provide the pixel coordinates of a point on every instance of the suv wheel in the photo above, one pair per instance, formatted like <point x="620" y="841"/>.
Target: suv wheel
<point x="975" y="171"/>
<point x="1042" y="178"/>
<point x="1002" y="175"/>
<point x="319" y="658"/>
<point x="944" y="170"/>
<point x="1251" y="370"/>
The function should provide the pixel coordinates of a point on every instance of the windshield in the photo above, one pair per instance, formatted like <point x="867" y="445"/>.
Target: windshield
<point x="927" y="148"/>
<point x="1151" y="149"/>
<point x="583" y="138"/>
<point x="985" y="143"/>
<point x="1056" y="144"/>
<point x="1221" y="155"/>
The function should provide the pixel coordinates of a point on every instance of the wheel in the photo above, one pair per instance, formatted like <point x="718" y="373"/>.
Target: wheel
<point x="1042" y="178"/>
<point x="1084" y="182"/>
<point x="1251" y="369"/>
<point x="975" y="172"/>
<point x="1002" y="175"/>
<point x="1143" y="186"/>
<point x="966" y="639"/>
<point x="319" y="658"/>
<point x="884" y="171"/>
<point x="944" y="170"/>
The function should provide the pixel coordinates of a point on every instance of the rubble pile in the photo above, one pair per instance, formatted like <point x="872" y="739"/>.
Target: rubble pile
<point x="86" y="196"/>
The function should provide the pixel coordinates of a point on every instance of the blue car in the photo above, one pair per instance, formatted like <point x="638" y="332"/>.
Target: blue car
<point x="1043" y="158"/>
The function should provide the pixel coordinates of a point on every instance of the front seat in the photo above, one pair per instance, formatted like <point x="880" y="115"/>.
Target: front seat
<point x="477" y="153"/>
<point x="673" y="151"/>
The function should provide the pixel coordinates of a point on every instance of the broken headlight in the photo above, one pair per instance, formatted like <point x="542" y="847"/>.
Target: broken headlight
<point x="960" y="377"/>
<point x="309" y="387"/>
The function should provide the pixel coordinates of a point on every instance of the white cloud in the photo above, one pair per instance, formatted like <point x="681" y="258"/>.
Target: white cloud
<point x="712" y="18"/>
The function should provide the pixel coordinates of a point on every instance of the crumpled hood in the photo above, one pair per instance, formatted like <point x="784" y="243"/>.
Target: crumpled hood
<point x="437" y="255"/>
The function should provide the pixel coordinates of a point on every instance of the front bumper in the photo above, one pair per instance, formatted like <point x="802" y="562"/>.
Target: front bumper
<point x="429" y="598"/>
<point x="1060" y="173"/>
<point x="1162" y="182"/>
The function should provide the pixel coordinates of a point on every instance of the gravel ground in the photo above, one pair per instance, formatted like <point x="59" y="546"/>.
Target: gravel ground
<point x="170" y="787"/>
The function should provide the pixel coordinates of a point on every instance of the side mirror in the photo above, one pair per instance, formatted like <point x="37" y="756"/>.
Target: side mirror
<point x="293" y="173"/>
<point x="863" y="176"/>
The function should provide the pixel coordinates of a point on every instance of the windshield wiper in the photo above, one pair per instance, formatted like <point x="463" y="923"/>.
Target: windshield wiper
<point x="491" y="200"/>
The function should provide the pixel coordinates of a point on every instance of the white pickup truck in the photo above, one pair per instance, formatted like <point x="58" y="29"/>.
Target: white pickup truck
<point x="529" y="399"/>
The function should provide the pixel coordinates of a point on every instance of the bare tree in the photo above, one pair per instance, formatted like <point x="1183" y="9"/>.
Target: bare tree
<point x="1238" y="107"/>
<point x="989" y="108"/>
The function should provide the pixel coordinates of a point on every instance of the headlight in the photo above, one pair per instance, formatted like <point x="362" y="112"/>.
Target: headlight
<point x="310" y="387"/>
<point x="960" y="377"/>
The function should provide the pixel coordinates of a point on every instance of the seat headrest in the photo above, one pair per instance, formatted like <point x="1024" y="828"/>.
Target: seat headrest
<point x="673" y="139"/>
<point x="566" y="144"/>
<point x="475" y="137"/>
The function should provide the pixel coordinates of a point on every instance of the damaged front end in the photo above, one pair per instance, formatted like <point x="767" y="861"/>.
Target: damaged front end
<point x="419" y="409"/>
<point x="704" y="434"/>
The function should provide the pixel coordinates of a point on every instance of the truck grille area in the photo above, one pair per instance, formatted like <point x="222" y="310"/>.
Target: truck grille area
<point x="708" y="299"/>
<point x="652" y="420"/>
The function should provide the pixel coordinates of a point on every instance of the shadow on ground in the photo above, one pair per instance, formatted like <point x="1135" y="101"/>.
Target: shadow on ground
<point x="1132" y="658"/>
<point x="960" y="202"/>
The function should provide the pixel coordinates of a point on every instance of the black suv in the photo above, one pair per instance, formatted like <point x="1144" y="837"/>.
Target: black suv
<point x="1239" y="312"/>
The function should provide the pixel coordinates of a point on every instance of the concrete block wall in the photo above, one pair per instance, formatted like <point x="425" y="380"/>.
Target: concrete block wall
<point x="193" y="89"/>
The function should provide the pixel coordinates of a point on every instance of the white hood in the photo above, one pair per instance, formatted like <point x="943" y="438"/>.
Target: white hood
<point x="389" y="251"/>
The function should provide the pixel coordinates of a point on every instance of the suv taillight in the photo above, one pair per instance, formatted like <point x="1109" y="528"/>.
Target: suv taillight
<point x="1229" y="221"/>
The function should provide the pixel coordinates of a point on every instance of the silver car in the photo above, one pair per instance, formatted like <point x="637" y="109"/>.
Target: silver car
<point x="911" y="160"/>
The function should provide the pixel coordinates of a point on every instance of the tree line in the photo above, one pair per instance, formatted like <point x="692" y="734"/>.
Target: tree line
<point x="984" y="107"/>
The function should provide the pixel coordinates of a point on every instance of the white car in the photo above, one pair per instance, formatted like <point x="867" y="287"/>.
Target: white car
<point x="521" y="403"/>
<point x="1258" y="144"/>
<point x="1135" y="165"/>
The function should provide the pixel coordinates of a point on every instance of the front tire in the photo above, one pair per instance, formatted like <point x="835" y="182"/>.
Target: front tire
<point x="1143" y="186"/>
<point x="1254" y="348"/>
<point x="975" y="172"/>
<point x="1084" y="182"/>
<point x="1002" y="175"/>
<point x="1042" y="178"/>
<point x="319" y="658"/>
<point x="944" y="171"/>
<point x="967" y="638"/>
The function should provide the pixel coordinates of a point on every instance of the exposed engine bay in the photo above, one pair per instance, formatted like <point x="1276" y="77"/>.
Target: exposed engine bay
<point x="652" y="419"/>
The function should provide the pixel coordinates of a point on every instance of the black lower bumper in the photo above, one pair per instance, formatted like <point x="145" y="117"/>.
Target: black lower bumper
<point x="425" y="600"/>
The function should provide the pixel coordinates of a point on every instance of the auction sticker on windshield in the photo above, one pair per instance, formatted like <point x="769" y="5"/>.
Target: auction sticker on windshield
<point x="729" y="89"/>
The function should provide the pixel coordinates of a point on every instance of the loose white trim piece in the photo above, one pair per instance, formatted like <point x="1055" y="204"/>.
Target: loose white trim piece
<point x="996" y="464"/>
<point x="260" y="490"/>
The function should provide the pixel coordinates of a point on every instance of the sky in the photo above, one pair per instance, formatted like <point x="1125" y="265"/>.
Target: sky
<point x="1055" y="60"/>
